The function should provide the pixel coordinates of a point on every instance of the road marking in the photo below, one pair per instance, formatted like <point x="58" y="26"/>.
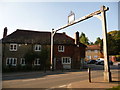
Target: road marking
<point x="69" y="85"/>
<point x="63" y="86"/>
<point x="40" y="78"/>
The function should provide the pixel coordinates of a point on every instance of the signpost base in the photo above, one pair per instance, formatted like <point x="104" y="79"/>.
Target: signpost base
<point x="107" y="76"/>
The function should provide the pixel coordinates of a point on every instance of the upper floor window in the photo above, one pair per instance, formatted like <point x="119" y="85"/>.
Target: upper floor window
<point x="88" y="50"/>
<point x="37" y="48"/>
<point x="22" y="62"/>
<point x="60" y="48"/>
<point x="66" y="60"/>
<point x="11" y="61"/>
<point x="13" y="47"/>
<point x="37" y="62"/>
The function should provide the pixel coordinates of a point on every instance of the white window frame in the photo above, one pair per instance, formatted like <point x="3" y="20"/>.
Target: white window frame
<point x="22" y="62"/>
<point x="61" y="48"/>
<point x="89" y="57"/>
<point x="88" y="50"/>
<point x="66" y="62"/>
<point x="96" y="51"/>
<point x="13" y="49"/>
<point x="38" y="47"/>
<point x="95" y="56"/>
<point x="37" y="60"/>
<point x="11" y="61"/>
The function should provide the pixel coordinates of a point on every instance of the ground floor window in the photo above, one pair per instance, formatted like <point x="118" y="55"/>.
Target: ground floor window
<point x="66" y="60"/>
<point x="22" y="62"/>
<point x="11" y="61"/>
<point x="95" y="56"/>
<point x="89" y="57"/>
<point x="37" y="62"/>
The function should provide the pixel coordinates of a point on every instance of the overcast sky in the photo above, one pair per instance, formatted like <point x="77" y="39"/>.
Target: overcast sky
<point x="40" y="16"/>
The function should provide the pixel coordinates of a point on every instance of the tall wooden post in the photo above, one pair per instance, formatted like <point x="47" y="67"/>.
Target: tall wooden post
<point x="107" y="73"/>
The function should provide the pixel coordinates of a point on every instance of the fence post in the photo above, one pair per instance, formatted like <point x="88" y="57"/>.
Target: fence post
<point x="89" y="72"/>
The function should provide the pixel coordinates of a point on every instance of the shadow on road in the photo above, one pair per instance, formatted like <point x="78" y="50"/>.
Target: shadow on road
<point x="41" y="74"/>
<point x="37" y="74"/>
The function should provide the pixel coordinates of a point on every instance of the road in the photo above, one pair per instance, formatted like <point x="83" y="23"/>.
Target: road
<point x="51" y="80"/>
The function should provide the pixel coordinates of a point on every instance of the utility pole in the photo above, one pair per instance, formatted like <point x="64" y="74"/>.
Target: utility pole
<point x="102" y="11"/>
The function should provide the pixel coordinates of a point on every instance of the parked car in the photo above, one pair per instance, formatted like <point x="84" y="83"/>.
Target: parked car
<point x="100" y="59"/>
<point x="91" y="62"/>
<point x="101" y="62"/>
<point x="85" y="66"/>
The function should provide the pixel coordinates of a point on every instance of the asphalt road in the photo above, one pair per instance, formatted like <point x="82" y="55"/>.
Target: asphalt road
<point x="50" y="80"/>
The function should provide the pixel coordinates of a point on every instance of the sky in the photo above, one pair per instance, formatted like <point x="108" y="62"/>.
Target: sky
<point x="43" y="16"/>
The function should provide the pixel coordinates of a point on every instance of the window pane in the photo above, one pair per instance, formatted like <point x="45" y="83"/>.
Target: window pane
<point x="11" y="47"/>
<point x="14" y="61"/>
<point x="15" y="47"/>
<point x="68" y="60"/>
<point x="38" y="61"/>
<point x="8" y="61"/>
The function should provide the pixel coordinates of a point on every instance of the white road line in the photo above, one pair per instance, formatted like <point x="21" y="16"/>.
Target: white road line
<point x="63" y="86"/>
<point x="40" y="78"/>
<point x="69" y="85"/>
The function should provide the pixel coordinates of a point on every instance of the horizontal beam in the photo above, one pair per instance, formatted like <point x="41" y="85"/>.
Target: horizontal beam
<point x="82" y="19"/>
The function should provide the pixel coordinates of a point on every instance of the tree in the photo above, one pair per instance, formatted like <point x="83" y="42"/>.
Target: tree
<point x="113" y="40"/>
<point x="84" y="39"/>
<point x="98" y="41"/>
<point x="30" y="56"/>
<point x="44" y="57"/>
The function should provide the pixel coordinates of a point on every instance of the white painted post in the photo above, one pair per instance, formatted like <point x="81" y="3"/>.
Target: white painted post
<point x="107" y="73"/>
<point x="52" y="40"/>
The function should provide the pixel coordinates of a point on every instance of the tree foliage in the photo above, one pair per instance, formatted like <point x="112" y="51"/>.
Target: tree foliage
<point x="84" y="39"/>
<point x="113" y="40"/>
<point x="43" y="55"/>
<point x="98" y="41"/>
<point x="30" y="56"/>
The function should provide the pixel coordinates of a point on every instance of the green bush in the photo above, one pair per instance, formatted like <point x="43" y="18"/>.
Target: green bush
<point x="117" y="57"/>
<point x="115" y="88"/>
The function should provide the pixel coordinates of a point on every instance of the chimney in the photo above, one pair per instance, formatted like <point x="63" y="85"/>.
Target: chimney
<point x="5" y="32"/>
<point x="77" y="38"/>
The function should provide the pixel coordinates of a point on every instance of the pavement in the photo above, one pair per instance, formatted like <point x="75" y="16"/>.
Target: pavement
<point x="96" y="83"/>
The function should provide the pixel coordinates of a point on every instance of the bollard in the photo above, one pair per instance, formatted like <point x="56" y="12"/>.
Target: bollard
<point x="89" y="72"/>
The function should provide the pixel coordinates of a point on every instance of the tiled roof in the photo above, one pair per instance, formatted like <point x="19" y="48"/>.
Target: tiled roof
<point x="27" y="36"/>
<point x="93" y="47"/>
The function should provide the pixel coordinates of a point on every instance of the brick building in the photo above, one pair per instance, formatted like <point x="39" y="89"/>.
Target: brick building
<point x="68" y="52"/>
<point x="93" y="52"/>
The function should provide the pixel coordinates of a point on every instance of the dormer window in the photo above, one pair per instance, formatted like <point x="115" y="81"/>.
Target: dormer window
<point x="13" y="47"/>
<point x="60" y="48"/>
<point x="37" y="48"/>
